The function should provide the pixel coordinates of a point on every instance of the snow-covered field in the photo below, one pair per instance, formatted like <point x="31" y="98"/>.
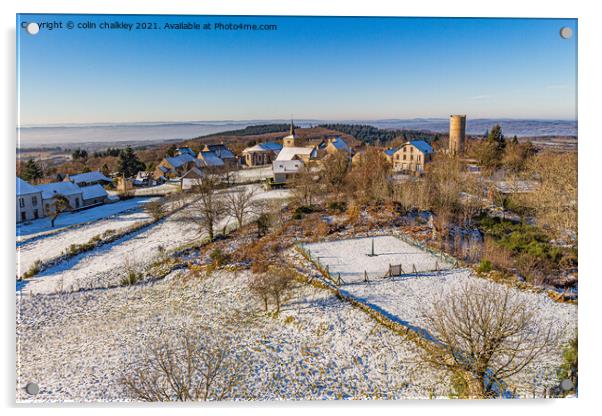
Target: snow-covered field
<point x="106" y="264"/>
<point x="69" y="219"/>
<point x="406" y="299"/>
<point x="54" y="244"/>
<point x="352" y="257"/>
<point x="77" y="346"/>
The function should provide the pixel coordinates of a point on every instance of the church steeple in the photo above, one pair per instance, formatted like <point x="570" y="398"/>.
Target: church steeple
<point x="290" y="140"/>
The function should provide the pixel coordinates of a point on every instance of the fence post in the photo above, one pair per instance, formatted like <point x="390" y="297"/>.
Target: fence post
<point x="339" y="279"/>
<point x="365" y="276"/>
<point x="414" y="269"/>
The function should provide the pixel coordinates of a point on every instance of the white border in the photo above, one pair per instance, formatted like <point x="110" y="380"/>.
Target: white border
<point x="589" y="147"/>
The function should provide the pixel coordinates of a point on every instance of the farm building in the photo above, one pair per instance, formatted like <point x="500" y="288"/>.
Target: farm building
<point x="285" y="169"/>
<point x="94" y="195"/>
<point x="69" y="190"/>
<point x="29" y="201"/>
<point x="88" y="178"/>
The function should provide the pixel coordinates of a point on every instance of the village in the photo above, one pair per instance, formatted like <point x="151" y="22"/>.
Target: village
<point x="311" y="244"/>
<point x="182" y="168"/>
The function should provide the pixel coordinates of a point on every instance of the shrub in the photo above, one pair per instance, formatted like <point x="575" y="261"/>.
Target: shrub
<point x="301" y="210"/>
<point x="34" y="269"/>
<point x="132" y="275"/>
<point x="219" y="258"/>
<point x="337" y="206"/>
<point x="131" y="278"/>
<point x="485" y="266"/>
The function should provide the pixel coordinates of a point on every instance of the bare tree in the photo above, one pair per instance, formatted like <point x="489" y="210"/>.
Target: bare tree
<point x="59" y="204"/>
<point x="486" y="332"/>
<point x="280" y="284"/>
<point x="156" y="209"/>
<point x="210" y="204"/>
<point x="186" y="368"/>
<point x="239" y="203"/>
<point x="275" y="284"/>
<point x="259" y="286"/>
<point x="334" y="171"/>
<point x="555" y="199"/>
<point x="304" y="186"/>
<point x="369" y="179"/>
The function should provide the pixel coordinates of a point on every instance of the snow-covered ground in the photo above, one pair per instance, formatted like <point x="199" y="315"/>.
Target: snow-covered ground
<point x="352" y="257"/>
<point x="407" y="299"/>
<point x="78" y="346"/>
<point x="68" y="219"/>
<point x="54" y="244"/>
<point x="106" y="264"/>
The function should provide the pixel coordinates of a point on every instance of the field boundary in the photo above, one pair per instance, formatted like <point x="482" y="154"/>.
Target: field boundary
<point x="96" y="242"/>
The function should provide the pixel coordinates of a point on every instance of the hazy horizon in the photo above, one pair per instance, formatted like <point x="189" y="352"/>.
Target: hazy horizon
<point x="39" y="136"/>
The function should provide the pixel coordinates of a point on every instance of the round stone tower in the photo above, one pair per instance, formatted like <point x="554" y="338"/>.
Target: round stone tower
<point x="457" y="134"/>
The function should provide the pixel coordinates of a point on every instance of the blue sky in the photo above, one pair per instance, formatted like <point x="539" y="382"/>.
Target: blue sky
<point x="320" y="68"/>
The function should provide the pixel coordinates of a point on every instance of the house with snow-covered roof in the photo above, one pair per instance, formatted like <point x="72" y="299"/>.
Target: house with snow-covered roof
<point x="410" y="157"/>
<point x="292" y="158"/>
<point x="69" y="190"/>
<point x="88" y="178"/>
<point x="210" y="160"/>
<point x="175" y="166"/>
<point x="94" y="195"/>
<point x="221" y="151"/>
<point x="29" y="201"/>
<point x="185" y="151"/>
<point x="335" y="145"/>
<point x="192" y="179"/>
<point x="261" y="154"/>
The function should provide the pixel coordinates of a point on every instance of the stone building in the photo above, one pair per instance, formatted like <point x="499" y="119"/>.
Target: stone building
<point x="410" y="157"/>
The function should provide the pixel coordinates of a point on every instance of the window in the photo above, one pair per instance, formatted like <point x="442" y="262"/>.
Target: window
<point x="34" y="200"/>
<point x="404" y="157"/>
<point x="35" y="214"/>
<point x="21" y="202"/>
<point x="412" y="157"/>
<point x="411" y="149"/>
<point x="396" y="157"/>
<point x="23" y="217"/>
<point x="76" y="202"/>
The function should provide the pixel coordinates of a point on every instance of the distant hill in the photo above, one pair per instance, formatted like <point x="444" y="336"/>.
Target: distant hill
<point x="97" y="136"/>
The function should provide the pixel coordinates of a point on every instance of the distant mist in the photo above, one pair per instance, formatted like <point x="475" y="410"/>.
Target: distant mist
<point x="38" y="136"/>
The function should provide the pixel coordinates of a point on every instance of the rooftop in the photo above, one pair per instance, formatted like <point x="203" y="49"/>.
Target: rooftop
<point x="89" y="177"/>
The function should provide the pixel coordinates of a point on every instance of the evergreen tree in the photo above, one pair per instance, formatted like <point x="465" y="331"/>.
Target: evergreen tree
<point x="32" y="171"/>
<point x="105" y="170"/>
<point x="515" y="140"/>
<point x="129" y="164"/>
<point x="497" y="136"/>
<point x="171" y="152"/>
